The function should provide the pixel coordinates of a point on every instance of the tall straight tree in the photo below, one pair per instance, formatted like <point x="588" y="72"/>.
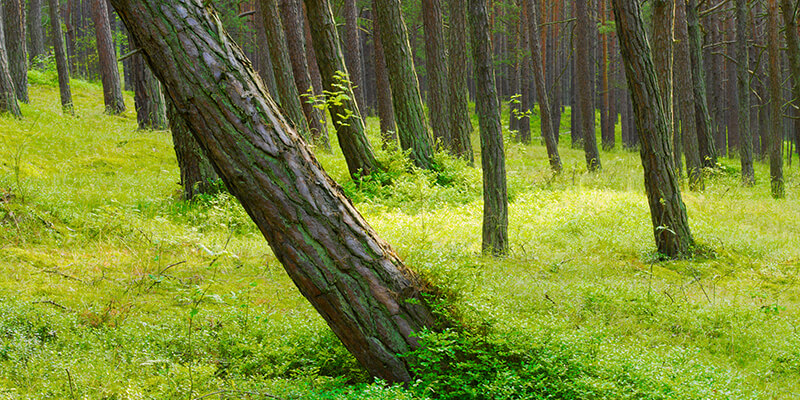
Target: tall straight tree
<point x="282" y="66"/>
<point x="663" y="26"/>
<point x="369" y="298"/>
<point x="348" y="124"/>
<point x="526" y="66"/>
<point x="436" y="66"/>
<point x="197" y="173"/>
<point x="793" y="53"/>
<point x="36" y="51"/>
<point x="8" y="96"/>
<point x="547" y="125"/>
<point x="775" y="142"/>
<point x="62" y="67"/>
<point x="408" y="111"/>
<point x="705" y="135"/>
<point x="584" y="83"/>
<point x="684" y="90"/>
<point x="16" y="48"/>
<point x="151" y="111"/>
<point x="460" y="124"/>
<point x="493" y="161"/>
<point x="384" y="91"/>
<point x="352" y="52"/>
<point x="606" y="127"/>
<point x="743" y="93"/>
<point x="292" y="21"/>
<point x="107" y="57"/>
<point x="668" y="213"/>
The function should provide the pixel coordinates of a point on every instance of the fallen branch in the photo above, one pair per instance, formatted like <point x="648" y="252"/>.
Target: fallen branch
<point x="54" y="304"/>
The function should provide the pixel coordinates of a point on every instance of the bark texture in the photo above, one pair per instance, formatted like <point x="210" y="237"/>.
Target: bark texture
<point x="107" y="58"/>
<point x="775" y="142"/>
<point x="793" y="53"/>
<point x="705" y="135"/>
<point x="525" y="75"/>
<point x="8" y="97"/>
<point x="36" y="30"/>
<point x="684" y="91"/>
<point x="743" y="94"/>
<point x="197" y="173"/>
<point x="670" y="223"/>
<point x="495" y="196"/>
<point x="384" y="91"/>
<point x="436" y="66"/>
<point x="352" y="52"/>
<point x="151" y="112"/>
<point x="460" y="125"/>
<point x="369" y="298"/>
<point x="584" y="83"/>
<point x="16" y="47"/>
<point x="61" y="59"/>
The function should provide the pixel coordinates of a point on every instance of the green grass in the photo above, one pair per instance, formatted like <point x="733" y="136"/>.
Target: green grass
<point x="111" y="287"/>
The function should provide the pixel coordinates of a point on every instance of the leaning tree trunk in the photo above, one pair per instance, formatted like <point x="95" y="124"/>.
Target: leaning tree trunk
<point x="684" y="90"/>
<point x="584" y="82"/>
<point x="344" y="112"/>
<point x="436" y="67"/>
<point x="775" y="141"/>
<point x="460" y="124"/>
<point x="547" y="125"/>
<point x="296" y="43"/>
<point x="16" y="48"/>
<point x="36" y="51"/>
<point x="408" y="111"/>
<point x="384" y="91"/>
<point x="369" y="298"/>
<point x="495" y="196"/>
<point x="8" y="97"/>
<point x="668" y="213"/>
<point x="705" y="134"/>
<point x="197" y="173"/>
<point x="107" y="57"/>
<point x="61" y="59"/>
<point x="151" y="112"/>
<point x="743" y="93"/>
<point x="282" y="66"/>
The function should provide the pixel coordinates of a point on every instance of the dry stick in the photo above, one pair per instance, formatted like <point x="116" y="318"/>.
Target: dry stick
<point x="52" y="303"/>
<point x="129" y="54"/>
<point x="71" y="390"/>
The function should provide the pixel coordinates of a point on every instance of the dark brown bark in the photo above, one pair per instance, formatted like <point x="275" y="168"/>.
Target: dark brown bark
<point x="793" y="53"/>
<point x="606" y="128"/>
<point x="61" y="59"/>
<point x="705" y="136"/>
<point x="408" y="111"/>
<point x="295" y="41"/>
<point x="311" y="55"/>
<point x="107" y="57"/>
<point x="525" y="75"/>
<point x="36" y="30"/>
<point x="151" y="112"/>
<point x="460" y="124"/>
<point x="775" y="142"/>
<point x="16" y="47"/>
<point x="352" y="52"/>
<point x="368" y="297"/>
<point x="344" y="114"/>
<point x="266" y="70"/>
<point x="436" y="66"/>
<point x="495" y="196"/>
<point x="547" y="125"/>
<point x="282" y="67"/>
<point x="384" y="91"/>
<point x="743" y="94"/>
<point x="8" y="97"/>
<point x="684" y="91"/>
<point x="585" y="85"/>
<point x="670" y="223"/>
<point x="197" y="173"/>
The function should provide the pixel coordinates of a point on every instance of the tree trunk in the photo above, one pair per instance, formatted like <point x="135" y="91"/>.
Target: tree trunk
<point x="684" y="90"/>
<point x="668" y="213"/>
<point x="606" y="129"/>
<point x="352" y="53"/>
<point x="547" y="125"/>
<point x="793" y="53"/>
<point x="460" y="124"/>
<point x="526" y="65"/>
<point x="36" y="51"/>
<point x="344" y="113"/>
<point x="16" y="48"/>
<point x="662" y="43"/>
<point x="368" y="297"/>
<point x="408" y="110"/>
<point x="151" y="112"/>
<point x="743" y="94"/>
<point x="775" y="142"/>
<point x="311" y="55"/>
<point x="495" y="197"/>
<point x="585" y="82"/>
<point x="705" y="135"/>
<point x="385" y="108"/>
<point x="197" y="173"/>
<point x="61" y="59"/>
<point x="8" y="96"/>
<point x="107" y="56"/>
<point x="295" y="41"/>
<point x="282" y="67"/>
<point x="436" y="66"/>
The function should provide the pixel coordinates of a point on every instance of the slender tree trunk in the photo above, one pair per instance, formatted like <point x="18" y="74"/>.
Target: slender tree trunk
<point x="548" y="128"/>
<point x="776" y="102"/>
<point x="282" y="67"/>
<point x="8" y="96"/>
<point x="606" y="129"/>
<point x="495" y="197"/>
<point x="436" y="66"/>
<point x="663" y="27"/>
<point x="585" y="82"/>
<point x="349" y="126"/>
<point x="668" y="213"/>
<point x="684" y="86"/>
<point x="793" y="53"/>
<point x="369" y="298"/>
<point x="107" y="56"/>
<point x="36" y="51"/>
<point x="352" y="52"/>
<point x="460" y="124"/>
<point x="311" y="55"/>
<point x="16" y="47"/>
<point x="743" y="94"/>
<point x="705" y="135"/>
<point x="525" y="74"/>
<point x="61" y="59"/>
<point x="295" y="41"/>
<point x="266" y="70"/>
<point x="385" y="108"/>
<point x="151" y="111"/>
<point x="197" y="173"/>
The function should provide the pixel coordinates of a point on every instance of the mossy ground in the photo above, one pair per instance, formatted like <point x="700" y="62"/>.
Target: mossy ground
<point x="111" y="287"/>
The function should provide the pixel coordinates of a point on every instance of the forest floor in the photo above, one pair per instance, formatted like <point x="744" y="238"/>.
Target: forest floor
<point x="111" y="287"/>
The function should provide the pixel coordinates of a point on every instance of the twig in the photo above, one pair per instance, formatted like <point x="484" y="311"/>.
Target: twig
<point x="52" y="303"/>
<point x="246" y="13"/>
<point x="546" y="296"/>
<point x="64" y="275"/>
<point x="129" y="54"/>
<point x="71" y="390"/>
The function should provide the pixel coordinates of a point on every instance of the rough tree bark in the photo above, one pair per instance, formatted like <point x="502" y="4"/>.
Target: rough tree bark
<point x="743" y="94"/>
<point x="151" y="112"/>
<point x="8" y="96"/>
<point x="775" y="141"/>
<point x="460" y="124"/>
<point x="16" y="47"/>
<point x="61" y="59"/>
<point x="793" y="53"/>
<point x="668" y="213"/>
<point x="547" y="125"/>
<point x="197" y="173"/>
<point x="436" y="66"/>
<point x="606" y="128"/>
<point x="495" y="196"/>
<point x="384" y="91"/>
<point x="368" y="297"/>
<point x="107" y="57"/>
<point x="265" y="70"/>
<point x="352" y="52"/>
<point x="584" y="85"/>
<point x="525" y="74"/>
<point x="36" y="51"/>
<point x="684" y="91"/>
<point x="344" y="114"/>
<point x="408" y="111"/>
<point x="705" y="134"/>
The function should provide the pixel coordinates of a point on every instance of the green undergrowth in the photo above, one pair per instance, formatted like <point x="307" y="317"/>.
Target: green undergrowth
<point x="112" y="287"/>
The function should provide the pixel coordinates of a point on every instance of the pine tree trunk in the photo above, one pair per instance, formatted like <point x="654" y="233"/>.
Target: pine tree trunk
<point x="16" y="47"/>
<point x="743" y="94"/>
<point x="670" y="223"/>
<point x="151" y="112"/>
<point x="606" y="129"/>
<point x="349" y="126"/>
<point x="684" y="90"/>
<point x="8" y="96"/>
<point x="436" y="66"/>
<point x="793" y="53"/>
<point x="526" y="80"/>
<point x="408" y="111"/>
<point x="585" y="86"/>
<point x="266" y="71"/>
<point x="460" y="124"/>
<point x="311" y="55"/>
<point x="385" y="108"/>
<point x="61" y="59"/>
<point x="775" y="141"/>
<point x="495" y="197"/>
<point x="705" y="135"/>
<point x="36" y="51"/>
<point x="107" y="56"/>
<point x="197" y="173"/>
<point x="352" y="52"/>
<point x="365" y="293"/>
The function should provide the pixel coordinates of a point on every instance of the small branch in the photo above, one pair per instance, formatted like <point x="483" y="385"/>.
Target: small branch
<point x="129" y="54"/>
<point x="246" y="14"/>
<point x="53" y="303"/>
<point x="64" y="275"/>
